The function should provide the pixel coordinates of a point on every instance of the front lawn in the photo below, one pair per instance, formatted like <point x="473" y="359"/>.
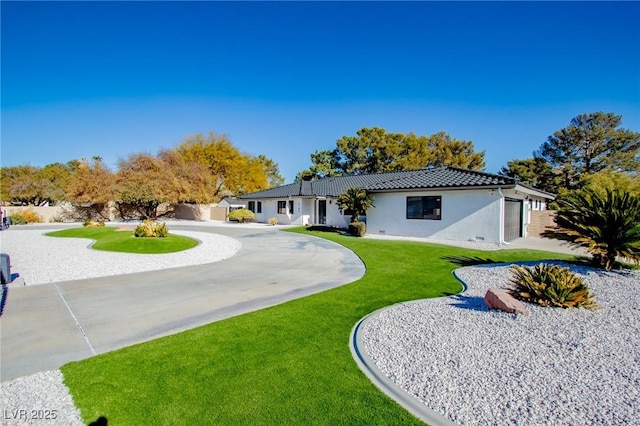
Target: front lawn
<point x="109" y="238"/>
<point x="289" y="364"/>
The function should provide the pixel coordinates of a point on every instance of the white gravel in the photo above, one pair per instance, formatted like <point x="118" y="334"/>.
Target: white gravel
<point x="551" y="366"/>
<point x="40" y="259"/>
<point x="39" y="399"/>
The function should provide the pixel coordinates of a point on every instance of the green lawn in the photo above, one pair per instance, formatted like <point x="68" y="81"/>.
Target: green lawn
<point x="107" y="238"/>
<point x="289" y="364"/>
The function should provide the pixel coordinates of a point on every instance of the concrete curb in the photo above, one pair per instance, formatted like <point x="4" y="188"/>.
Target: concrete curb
<point x="369" y="368"/>
<point x="386" y="385"/>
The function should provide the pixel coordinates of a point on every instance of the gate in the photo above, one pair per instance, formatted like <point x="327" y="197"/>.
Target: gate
<point x="512" y="219"/>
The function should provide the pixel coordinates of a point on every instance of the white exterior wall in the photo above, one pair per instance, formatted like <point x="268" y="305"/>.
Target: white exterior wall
<point x="305" y="212"/>
<point x="465" y="215"/>
<point x="335" y="216"/>
<point x="270" y="209"/>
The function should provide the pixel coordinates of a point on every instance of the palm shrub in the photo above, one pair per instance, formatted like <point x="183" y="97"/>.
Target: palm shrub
<point x="357" y="229"/>
<point x="151" y="229"/>
<point x="606" y="224"/>
<point x="355" y="201"/>
<point x="241" y="215"/>
<point x="550" y="285"/>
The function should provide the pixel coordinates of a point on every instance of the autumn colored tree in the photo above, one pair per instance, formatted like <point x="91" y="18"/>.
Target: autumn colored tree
<point x="232" y="172"/>
<point x="29" y="185"/>
<point x="192" y="180"/>
<point x="90" y="189"/>
<point x="52" y="182"/>
<point x="143" y="183"/>
<point x="18" y="185"/>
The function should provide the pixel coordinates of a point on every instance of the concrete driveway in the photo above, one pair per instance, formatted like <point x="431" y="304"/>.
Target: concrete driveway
<point x="46" y="326"/>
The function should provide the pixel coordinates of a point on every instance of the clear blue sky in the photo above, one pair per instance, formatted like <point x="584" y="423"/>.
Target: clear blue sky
<point x="286" y="79"/>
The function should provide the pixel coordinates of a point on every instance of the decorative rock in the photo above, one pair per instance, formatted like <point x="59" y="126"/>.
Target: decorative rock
<point x="497" y="298"/>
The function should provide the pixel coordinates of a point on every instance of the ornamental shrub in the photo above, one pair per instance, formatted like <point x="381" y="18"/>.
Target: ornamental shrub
<point x="241" y="215"/>
<point x="28" y="215"/>
<point x="550" y="285"/>
<point x="17" y="219"/>
<point x="93" y="224"/>
<point x="357" y="229"/>
<point x="151" y="229"/>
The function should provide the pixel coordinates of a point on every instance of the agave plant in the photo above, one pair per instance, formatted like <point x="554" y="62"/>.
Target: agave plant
<point x="550" y="285"/>
<point x="607" y="225"/>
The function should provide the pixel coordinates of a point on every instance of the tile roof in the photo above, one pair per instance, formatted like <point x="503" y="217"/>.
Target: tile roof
<point x="444" y="177"/>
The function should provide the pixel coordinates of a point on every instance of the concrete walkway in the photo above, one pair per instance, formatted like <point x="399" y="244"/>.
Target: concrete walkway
<point x="46" y="326"/>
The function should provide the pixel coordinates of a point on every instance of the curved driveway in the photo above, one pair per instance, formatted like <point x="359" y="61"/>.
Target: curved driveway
<point x="46" y="326"/>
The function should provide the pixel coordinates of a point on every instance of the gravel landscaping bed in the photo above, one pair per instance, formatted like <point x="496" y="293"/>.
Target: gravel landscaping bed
<point x="550" y="366"/>
<point x="64" y="259"/>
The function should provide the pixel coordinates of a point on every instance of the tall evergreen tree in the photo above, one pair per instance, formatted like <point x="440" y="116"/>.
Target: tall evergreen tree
<point x="591" y="143"/>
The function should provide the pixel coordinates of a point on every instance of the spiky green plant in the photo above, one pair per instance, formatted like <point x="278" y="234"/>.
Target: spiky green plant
<point x="606" y="224"/>
<point x="550" y="285"/>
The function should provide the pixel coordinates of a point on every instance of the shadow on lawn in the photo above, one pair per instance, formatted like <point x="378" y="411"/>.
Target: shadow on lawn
<point x="100" y="421"/>
<point x="468" y="260"/>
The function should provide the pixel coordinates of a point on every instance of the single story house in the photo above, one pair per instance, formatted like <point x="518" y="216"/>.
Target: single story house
<point x="445" y="203"/>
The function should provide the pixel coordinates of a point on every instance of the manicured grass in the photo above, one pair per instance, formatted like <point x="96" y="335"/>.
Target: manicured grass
<point x="109" y="239"/>
<point x="289" y="364"/>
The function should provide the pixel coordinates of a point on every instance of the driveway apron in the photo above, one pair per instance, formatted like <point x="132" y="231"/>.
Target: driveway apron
<point x="45" y="326"/>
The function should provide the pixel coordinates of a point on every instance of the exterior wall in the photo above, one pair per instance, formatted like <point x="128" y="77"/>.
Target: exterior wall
<point x="305" y="212"/>
<point x="270" y="209"/>
<point x="335" y="216"/>
<point x="48" y="213"/>
<point x="192" y="211"/>
<point x="465" y="215"/>
<point x="540" y="220"/>
<point x="182" y="211"/>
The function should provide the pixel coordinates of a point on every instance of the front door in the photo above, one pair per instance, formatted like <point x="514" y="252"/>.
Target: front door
<point x="322" y="212"/>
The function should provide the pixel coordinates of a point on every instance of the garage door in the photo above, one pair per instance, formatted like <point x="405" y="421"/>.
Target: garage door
<point x="512" y="219"/>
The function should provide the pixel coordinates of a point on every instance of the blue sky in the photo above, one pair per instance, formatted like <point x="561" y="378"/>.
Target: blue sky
<point x="285" y="79"/>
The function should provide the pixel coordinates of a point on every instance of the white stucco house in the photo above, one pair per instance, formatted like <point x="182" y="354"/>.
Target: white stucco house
<point x="445" y="203"/>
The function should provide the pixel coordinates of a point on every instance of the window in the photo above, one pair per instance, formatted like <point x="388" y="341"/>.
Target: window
<point x="252" y="206"/>
<point x="283" y="208"/>
<point x="424" y="208"/>
<point x="259" y="208"/>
